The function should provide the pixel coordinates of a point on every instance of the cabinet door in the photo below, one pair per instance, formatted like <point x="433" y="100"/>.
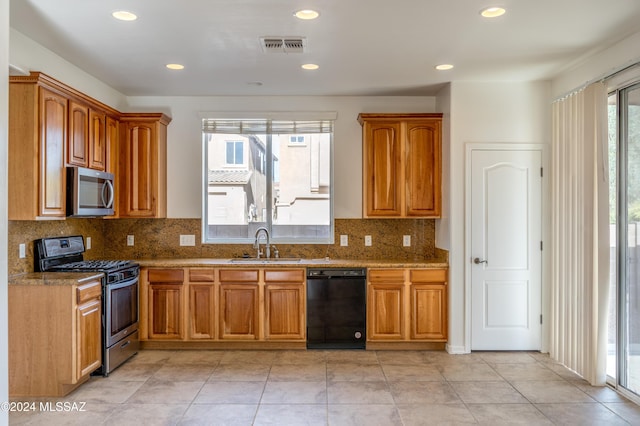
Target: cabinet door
<point x="201" y="311"/>
<point x="422" y="156"/>
<point x="429" y="304"/>
<point x="53" y="127"/>
<point x="77" y="148"/>
<point x="165" y="311"/>
<point x="284" y="311"/>
<point x="97" y="140"/>
<point x="139" y="170"/>
<point x="202" y="304"/>
<point x="285" y="304"/>
<point x="382" y="169"/>
<point x="239" y="311"/>
<point x="89" y="341"/>
<point x="429" y="311"/>
<point x="385" y="320"/>
<point x="143" y="166"/>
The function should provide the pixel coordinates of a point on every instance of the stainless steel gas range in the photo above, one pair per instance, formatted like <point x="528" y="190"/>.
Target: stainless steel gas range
<point x="119" y="294"/>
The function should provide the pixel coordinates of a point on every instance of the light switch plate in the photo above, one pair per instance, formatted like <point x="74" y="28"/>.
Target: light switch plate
<point x="88" y="243"/>
<point x="367" y="240"/>
<point x="23" y="251"/>
<point x="406" y="240"/>
<point x="130" y="240"/>
<point x="344" y="240"/>
<point x="187" y="240"/>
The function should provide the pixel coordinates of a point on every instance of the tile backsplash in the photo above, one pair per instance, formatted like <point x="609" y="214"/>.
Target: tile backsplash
<point x="160" y="238"/>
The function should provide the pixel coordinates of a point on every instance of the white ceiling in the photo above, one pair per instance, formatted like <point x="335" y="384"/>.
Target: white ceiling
<point x="363" y="47"/>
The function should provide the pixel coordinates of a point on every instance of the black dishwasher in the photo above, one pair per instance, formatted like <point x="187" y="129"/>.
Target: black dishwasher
<point x="336" y="308"/>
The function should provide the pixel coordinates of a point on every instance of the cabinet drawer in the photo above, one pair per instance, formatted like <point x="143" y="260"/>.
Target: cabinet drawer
<point x="202" y="275"/>
<point x="296" y="275"/>
<point x="92" y="290"/>
<point x="166" y="275"/>
<point x="381" y="275"/>
<point x="428" y="275"/>
<point x="239" y="275"/>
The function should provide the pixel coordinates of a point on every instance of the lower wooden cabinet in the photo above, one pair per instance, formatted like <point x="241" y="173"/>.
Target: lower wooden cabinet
<point x="225" y="304"/>
<point x="239" y="300"/>
<point x="165" y="292"/>
<point x="428" y="305"/>
<point x="89" y="324"/>
<point x="202" y="304"/>
<point x="386" y="304"/>
<point x="284" y="304"/>
<point x="54" y="337"/>
<point x="407" y="305"/>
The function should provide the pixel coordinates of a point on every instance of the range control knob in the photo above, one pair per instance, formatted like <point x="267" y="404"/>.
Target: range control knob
<point x="358" y="335"/>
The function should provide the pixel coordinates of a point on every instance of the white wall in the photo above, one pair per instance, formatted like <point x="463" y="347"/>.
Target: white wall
<point x="496" y="112"/>
<point x="31" y="56"/>
<point x="185" y="139"/>
<point x="4" y="273"/>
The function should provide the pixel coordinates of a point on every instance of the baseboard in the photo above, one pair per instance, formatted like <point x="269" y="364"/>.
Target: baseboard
<point x="456" y="350"/>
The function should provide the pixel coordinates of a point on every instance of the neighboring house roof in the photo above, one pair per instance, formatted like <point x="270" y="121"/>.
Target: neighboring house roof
<point x="238" y="177"/>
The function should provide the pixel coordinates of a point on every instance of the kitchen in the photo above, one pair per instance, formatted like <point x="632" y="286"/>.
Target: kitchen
<point x="495" y="111"/>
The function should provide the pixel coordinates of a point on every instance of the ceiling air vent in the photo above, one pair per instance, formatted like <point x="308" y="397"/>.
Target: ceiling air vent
<point x="283" y="44"/>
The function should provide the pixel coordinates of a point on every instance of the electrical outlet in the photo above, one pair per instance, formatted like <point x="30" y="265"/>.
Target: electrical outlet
<point x="367" y="240"/>
<point x="88" y="243"/>
<point x="344" y="240"/>
<point x="130" y="240"/>
<point x="406" y="240"/>
<point x="187" y="240"/>
<point x="23" y="251"/>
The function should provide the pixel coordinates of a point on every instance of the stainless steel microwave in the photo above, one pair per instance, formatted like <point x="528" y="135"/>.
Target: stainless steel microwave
<point x="89" y="192"/>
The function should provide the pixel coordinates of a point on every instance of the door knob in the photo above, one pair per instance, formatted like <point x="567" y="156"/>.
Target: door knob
<point x="477" y="261"/>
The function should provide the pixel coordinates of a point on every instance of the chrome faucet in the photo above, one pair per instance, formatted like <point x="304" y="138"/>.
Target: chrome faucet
<point x="256" y="244"/>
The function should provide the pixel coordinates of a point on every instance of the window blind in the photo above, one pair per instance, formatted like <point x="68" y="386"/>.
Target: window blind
<point x="260" y="127"/>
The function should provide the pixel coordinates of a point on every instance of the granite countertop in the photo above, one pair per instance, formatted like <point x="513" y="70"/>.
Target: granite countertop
<point x="284" y="263"/>
<point x="54" y="278"/>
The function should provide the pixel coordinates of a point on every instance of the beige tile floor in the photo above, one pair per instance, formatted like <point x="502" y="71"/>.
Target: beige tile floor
<point x="337" y="388"/>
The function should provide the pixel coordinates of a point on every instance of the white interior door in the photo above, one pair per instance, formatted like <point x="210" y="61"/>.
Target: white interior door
<point x="505" y="249"/>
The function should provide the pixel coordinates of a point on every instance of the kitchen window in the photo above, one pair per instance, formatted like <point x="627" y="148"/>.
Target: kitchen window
<point x="269" y="173"/>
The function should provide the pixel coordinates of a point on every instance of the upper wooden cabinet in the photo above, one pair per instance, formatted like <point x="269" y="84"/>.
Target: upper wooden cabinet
<point x="78" y="145"/>
<point x="52" y="125"/>
<point x="97" y="140"/>
<point x="38" y="116"/>
<point x="142" y="180"/>
<point x="401" y="165"/>
<point x="86" y="146"/>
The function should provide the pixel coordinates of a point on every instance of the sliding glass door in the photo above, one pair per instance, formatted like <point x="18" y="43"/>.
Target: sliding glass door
<point x="624" y="132"/>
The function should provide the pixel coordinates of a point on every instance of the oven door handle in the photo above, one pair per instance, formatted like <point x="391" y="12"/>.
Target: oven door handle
<point x="122" y="284"/>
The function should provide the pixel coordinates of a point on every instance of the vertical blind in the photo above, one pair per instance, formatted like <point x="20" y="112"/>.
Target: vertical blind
<point x="580" y="233"/>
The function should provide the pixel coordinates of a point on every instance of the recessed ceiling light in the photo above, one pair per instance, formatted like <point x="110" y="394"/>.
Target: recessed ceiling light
<point x="175" y="66"/>
<point x="310" y="66"/>
<point x="306" y="14"/>
<point x="493" y="12"/>
<point x="444" y="67"/>
<point x="123" y="15"/>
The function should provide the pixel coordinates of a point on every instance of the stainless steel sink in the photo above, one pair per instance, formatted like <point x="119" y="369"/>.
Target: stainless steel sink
<point x="263" y="260"/>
